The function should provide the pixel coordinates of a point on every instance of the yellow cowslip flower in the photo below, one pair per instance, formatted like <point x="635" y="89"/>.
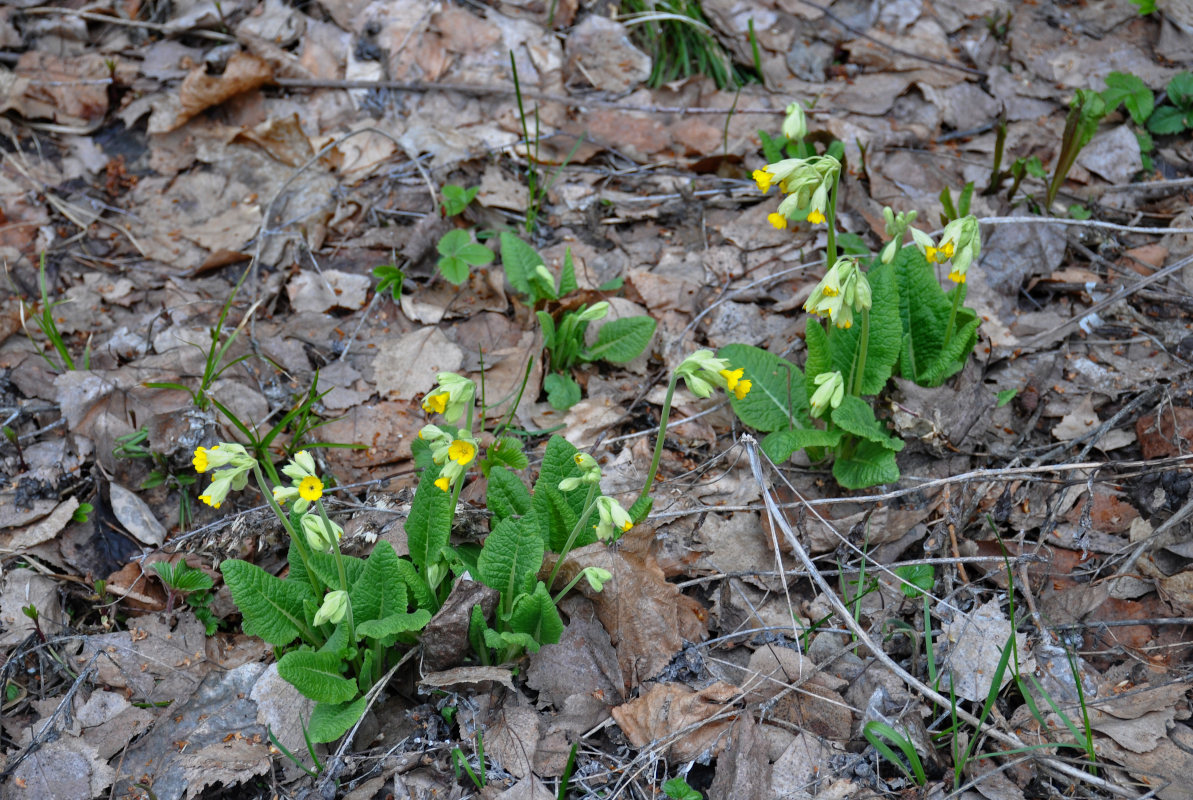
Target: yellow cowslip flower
<point x="334" y="608"/>
<point x="206" y="498"/>
<point x="939" y="254"/>
<point x="435" y="403"/>
<point x="311" y="489"/>
<point x="815" y="217"/>
<point x="200" y="460"/>
<point x="443" y="483"/>
<point x="957" y="276"/>
<point x="776" y="219"/>
<point x="462" y="452"/>
<point x="764" y="179"/>
<point x="735" y="383"/>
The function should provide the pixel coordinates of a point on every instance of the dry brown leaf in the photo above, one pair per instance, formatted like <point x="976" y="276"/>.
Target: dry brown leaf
<point x="407" y="366"/>
<point x="282" y="138"/>
<point x="445" y="639"/>
<point x="229" y="762"/>
<point x="639" y="609"/>
<point x="742" y="768"/>
<point x="68" y="90"/>
<point x="200" y="91"/>
<point x="512" y="736"/>
<point x="580" y="673"/>
<point x="43" y="530"/>
<point x="22" y="588"/>
<point x="657" y="718"/>
<point x="974" y="643"/>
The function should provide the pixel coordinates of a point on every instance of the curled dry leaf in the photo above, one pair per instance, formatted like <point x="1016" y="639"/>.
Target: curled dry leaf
<point x="201" y="91"/>
<point x="674" y="715"/>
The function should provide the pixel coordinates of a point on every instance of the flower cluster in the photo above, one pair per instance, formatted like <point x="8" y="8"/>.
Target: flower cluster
<point x="830" y="394"/>
<point x="896" y="226"/>
<point x="960" y="243"/>
<point x="591" y="472"/>
<point x="305" y="486"/>
<point x="321" y="534"/>
<point x="842" y="291"/>
<point x="451" y="397"/>
<point x="702" y="371"/>
<point x="614" y="520"/>
<point x="805" y="181"/>
<point x="230" y="465"/>
<point x="454" y="452"/>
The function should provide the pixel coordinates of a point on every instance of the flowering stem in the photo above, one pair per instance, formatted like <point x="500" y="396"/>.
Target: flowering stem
<point x="335" y="549"/>
<point x="589" y="504"/>
<point x="830" y="248"/>
<point x="859" y="365"/>
<point x="296" y="538"/>
<point x="948" y="331"/>
<point x="658" y="444"/>
<point x="568" y="588"/>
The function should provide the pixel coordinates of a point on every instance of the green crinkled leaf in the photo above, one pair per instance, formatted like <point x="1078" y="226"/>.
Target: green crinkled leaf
<point x="547" y="326"/>
<point x="820" y="359"/>
<point x="511" y="557"/>
<point x="519" y="260"/>
<point x="379" y="590"/>
<point x="477" y="625"/>
<point x="330" y="721"/>
<point x="420" y="593"/>
<point x="339" y="644"/>
<point x="855" y="416"/>
<point x="534" y="614"/>
<point x="396" y="623"/>
<point x="562" y="391"/>
<point x="779" y="445"/>
<point x="622" y="340"/>
<point x="273" y="609"/>
<point x="924" y="310"/>
<point x="777" y="392"/>
<point x="567" y="278"/>
<point x="508" y="451"/>
<point x="556" y="511"/>
<point x="886" y="334"/>
<point x="317" y="676"/>
<point x="1123" y="87"/>
<point x="429" y="525"/>
<point x="507" y="495"/>
<point x="870" y="464"/>
<point x="501" y="641"/>
<point x="324" y="566"/>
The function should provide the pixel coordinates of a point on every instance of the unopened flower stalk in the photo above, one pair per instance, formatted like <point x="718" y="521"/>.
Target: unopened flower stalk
<point x="339" y="568"/>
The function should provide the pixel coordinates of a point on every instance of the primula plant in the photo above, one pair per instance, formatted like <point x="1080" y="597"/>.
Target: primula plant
<point x="564" y="330"/>
<point x="869" y="320"/>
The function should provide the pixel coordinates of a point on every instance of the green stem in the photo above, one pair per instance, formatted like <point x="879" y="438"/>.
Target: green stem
<point x="948" y="331"/>
<point x="589" y="505"/>
<point x="658" y="444"/>
<point x="343" y="571"/>
<point x="830" y="249"/>
<point x="295" y="537"/>
<point x="859" y="365"/>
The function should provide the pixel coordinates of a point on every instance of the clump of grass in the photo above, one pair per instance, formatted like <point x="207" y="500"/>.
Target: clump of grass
<point x="680" y="42"/>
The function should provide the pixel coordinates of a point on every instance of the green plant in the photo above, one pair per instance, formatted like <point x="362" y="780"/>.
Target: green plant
<point x="678" y="789"/>
<point x="908" y="325"/>
<point x="298" y="423"/>
<point x="1123" y="88"/>
<point x="135" y="445"/>
<point x="335" y="619"/>
<point x="215" y="353"/>
<point x="389" y="279"/>
<point x="456" y="199"/>
<point x="918" y="580"/>
<point x="459" y="253"/>
<point x="192" y="585"/>
<point x="82" y="512"/>
<point x="677" y="37"/>
<point x="460" y="763"/>
<point x="617" y="342"/>
<point x="15" y="440"/>
<point x="44" y="320"/>
<point x="879" y="734"/>
<point x="1176" y="117"/>
<point x="1085" y="112"/>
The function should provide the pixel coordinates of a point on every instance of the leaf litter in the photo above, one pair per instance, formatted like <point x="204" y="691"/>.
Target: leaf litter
<point x="153" y="160"/>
